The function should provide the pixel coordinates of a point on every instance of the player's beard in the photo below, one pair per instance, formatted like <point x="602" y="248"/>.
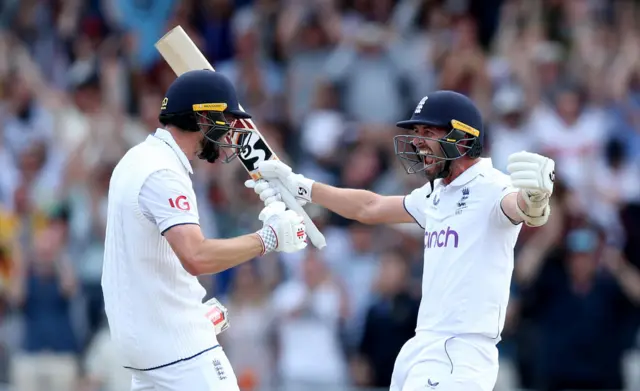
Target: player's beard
<point x="434" y="164"/>
<point x="208" y="150"/>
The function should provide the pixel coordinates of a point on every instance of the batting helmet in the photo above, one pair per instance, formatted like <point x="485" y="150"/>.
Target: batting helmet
<point x="448" y="110"/>
<point x="206" y="101"/>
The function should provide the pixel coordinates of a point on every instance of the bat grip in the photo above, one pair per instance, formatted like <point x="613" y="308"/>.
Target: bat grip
<point x="313" y="233"/>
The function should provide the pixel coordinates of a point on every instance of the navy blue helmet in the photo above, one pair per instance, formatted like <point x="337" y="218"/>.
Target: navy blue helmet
<point x="448" y="110"/>
<point x="206" y="101"/>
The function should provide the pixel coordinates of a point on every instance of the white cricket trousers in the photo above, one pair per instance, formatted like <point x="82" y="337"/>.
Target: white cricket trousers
<point x="446" y="363"/>
<point x="211" y="371"/>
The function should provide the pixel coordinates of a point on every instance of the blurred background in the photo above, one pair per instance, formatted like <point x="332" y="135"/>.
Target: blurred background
<point x="326" y="80"/>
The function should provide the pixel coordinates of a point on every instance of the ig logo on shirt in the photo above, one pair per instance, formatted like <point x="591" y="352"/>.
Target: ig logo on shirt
<point x="180" y="203"/>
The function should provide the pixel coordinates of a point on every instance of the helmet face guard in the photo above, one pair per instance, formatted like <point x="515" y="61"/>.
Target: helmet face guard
<point x="219" y="133"/>
<point x="460" y="141"/>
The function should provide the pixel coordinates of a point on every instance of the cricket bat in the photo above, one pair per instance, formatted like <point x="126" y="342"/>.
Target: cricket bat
<point x="182" y="55"/>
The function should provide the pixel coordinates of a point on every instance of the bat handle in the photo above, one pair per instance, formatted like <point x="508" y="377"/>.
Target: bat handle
<point x="313" y="233"/>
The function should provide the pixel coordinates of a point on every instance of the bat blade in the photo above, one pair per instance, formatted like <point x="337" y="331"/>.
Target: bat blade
<point x="180" y="52"/>
<point x="182" y="55"/>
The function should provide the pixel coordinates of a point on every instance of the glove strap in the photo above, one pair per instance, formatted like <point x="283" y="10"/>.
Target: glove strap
<point x="269" y="239"/>
<point x="538" y="221"/>
<point x="538" y="209"/>
<point x="536" y="203"/>
<point x="303" y="192"/>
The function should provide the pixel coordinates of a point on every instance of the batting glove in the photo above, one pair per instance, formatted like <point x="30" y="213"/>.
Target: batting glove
<point x="267" y="192"/>
<point x="218" y="315"/>
<point x="283" y="230"/>
<point x="534" y="175"/>
<point x="296" y="184"/>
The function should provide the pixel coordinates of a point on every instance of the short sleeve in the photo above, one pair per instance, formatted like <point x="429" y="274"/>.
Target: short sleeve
<point x="497" y="213"/>
<point x="167" y="199"/>
<point x="415" y="204"/>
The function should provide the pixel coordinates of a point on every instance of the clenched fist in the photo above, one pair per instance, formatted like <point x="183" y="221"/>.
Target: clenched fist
<point x="534" y="175"/>
<point x="283" y="230"/>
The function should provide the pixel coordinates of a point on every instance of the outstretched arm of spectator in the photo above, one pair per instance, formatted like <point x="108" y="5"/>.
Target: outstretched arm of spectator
<point x="68" y="20"/>
<point x="624" y="65"/>
<point x="627" y="274"/>
<point x="292" y="19"/>
<point x="532" y="256"/>
<point x="16" y="290"/>
<point x="506" y="37"/>
<point x="68" y="282"/>
<point x="521" y="51"/>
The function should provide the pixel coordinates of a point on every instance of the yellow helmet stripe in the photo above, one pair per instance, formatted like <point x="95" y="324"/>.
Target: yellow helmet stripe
<point x="220" y="107"/>
<point x="465" y="128"/>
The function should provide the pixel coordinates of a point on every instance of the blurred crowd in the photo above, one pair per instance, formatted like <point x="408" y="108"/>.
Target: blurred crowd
<point x="326" y="80"/>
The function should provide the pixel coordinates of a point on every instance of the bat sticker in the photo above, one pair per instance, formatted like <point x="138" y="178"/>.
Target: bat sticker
<point x="256" y="150"/>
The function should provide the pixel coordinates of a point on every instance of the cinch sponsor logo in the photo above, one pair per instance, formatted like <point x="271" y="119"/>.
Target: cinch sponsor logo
<point x="441" y="238"/>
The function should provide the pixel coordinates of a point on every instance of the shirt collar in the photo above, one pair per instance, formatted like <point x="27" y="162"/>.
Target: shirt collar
<point x="481" y="167"/>
<point x="165" y="136"/>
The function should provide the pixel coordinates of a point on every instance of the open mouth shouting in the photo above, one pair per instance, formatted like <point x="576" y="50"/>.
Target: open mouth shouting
<point x="427" y="156"/>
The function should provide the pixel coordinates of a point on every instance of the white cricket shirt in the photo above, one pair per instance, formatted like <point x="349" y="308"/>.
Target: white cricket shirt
<point x="468" y="252"/>
<point x="153" y="305"/>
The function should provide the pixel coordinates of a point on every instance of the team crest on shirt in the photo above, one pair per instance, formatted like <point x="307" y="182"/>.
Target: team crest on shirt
<point x="462" y="204"/>
<point x="219" y="368"/>
<point x="436" y="199"/>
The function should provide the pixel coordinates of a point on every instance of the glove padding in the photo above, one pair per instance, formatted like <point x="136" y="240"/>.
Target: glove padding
<point x="267" y="192"/>
<point x="283" y="230"/>
<point x="296" y="184"/>
<point x="218" y="315"/>
<point x="534" y="175"/>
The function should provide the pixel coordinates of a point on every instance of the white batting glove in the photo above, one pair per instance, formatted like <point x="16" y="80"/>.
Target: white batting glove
<point x="218" y="315"/>
<point x="534" y="175"/>
<point x="297" y="184"/>
<point x="267" y="192"/>
<point x="283" y="230"/>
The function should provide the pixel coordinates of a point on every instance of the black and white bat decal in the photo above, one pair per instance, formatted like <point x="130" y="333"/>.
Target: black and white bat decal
<point x="256" y="151"/>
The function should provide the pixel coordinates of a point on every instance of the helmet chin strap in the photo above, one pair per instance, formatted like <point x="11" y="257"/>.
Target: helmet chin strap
<point x="446" y="170"/>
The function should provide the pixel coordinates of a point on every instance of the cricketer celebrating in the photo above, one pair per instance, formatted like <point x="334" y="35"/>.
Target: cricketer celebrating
<point x="471" y="214"/>
<point x="155" y="249"/>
